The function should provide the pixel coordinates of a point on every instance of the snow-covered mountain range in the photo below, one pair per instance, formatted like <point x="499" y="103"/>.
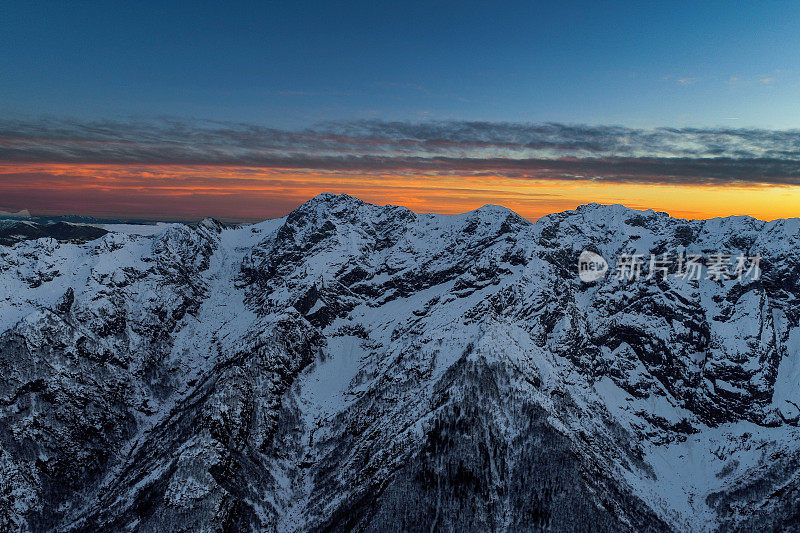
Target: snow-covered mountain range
<point x="357" y="367"/>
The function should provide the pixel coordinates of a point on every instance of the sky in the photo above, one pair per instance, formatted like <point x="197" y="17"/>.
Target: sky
<point x="176" y="110"/>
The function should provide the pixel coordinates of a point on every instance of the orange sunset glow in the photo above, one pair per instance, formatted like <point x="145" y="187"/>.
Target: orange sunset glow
<point x="399" y="266"/>
<point x="249" y="194"/>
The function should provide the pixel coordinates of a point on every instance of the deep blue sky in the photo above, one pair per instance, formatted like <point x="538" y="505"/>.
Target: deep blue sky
<point x="291" y="64"/>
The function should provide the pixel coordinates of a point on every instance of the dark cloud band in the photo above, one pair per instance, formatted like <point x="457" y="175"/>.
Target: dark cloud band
<point x="524" y="151"/>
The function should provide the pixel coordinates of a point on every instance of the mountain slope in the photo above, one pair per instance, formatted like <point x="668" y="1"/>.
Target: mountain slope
<point x="363" y="367"/>
<point x="13" y="231"/>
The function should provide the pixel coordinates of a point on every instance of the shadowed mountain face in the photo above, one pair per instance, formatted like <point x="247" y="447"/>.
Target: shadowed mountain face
<point x="12" y="231"/>
<point x="356" y="367"/>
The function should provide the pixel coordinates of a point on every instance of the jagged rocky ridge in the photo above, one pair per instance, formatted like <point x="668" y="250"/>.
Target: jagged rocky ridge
<point x="356" y="367"/>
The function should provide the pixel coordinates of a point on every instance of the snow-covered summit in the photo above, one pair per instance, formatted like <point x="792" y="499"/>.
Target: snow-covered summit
<point x="353" y="366"/>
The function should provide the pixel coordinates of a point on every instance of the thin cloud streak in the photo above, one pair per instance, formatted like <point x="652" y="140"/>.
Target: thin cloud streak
<point x="523" y="151"/>
<point x="250" y="194"/>
<point x="170" y="169"/>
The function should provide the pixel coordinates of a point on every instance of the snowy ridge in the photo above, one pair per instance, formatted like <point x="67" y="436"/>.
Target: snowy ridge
<point x="352" y="366"/>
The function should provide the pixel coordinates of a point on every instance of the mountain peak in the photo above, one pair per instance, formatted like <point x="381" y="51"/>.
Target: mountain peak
<point x="329" y="198"/>
<point x="494" y="209"/>
<point x="321" y="370"/>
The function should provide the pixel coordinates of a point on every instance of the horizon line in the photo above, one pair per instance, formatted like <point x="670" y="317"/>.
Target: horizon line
<point x="5" y="215"/>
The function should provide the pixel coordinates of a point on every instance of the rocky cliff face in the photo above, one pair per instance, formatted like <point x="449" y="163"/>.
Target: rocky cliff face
<point x="360" y="367"/>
